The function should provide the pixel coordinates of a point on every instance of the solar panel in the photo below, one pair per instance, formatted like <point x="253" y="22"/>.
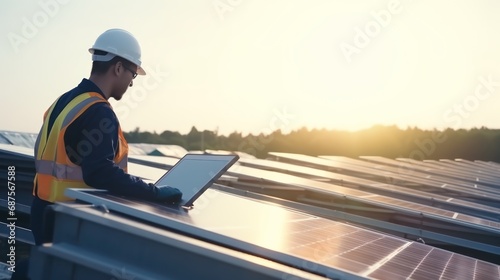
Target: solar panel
<point x="318" y="245"/>
<point x="444" y="202"/>
<point x="429" y="168"/>
<point x="464" y="165"/>
<point x="381" y="173"/>
<point x="470" y="174"/>
<point x="495" y="166"/>
<point x="434" y="175"/>
<point x="467" y="172"/>
<point x="432" y="264"/>
<point x="483" y="175"/>
<point x="480" y="165"/>
<point x="328" y="247"/>
<point x="372" y="201"/>
<point x="456" y="181"/>
<point x="438" y="172"/>
<point x="437" y="168"/>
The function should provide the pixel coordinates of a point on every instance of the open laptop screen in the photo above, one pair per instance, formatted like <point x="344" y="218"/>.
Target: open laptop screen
<point x="194" y="173"/>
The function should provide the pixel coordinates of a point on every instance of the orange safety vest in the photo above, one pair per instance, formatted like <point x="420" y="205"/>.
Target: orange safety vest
<point x="55" y="172"/>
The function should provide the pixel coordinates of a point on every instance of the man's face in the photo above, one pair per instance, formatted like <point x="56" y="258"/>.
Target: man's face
<point x="124" y="80"/>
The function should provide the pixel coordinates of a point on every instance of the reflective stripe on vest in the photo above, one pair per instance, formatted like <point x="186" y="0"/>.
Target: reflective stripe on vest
<point x="55" y="171"/>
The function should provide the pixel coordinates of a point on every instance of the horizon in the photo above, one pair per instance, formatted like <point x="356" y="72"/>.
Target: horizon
<point x="295" y="130"/>
<point x="322" y="65"/>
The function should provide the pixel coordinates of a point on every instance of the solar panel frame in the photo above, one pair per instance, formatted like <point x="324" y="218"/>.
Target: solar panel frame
<point x="463" y="173"/>
<point x="434" y="182"/>
<point x="495" y="166"/>
<point x="482" y="175"/>
<point x="362" y="253"/>
<point x="478" y="165"/>
<point x="398" y="192"/>
<point x="426" y="165"/>
<point x="354" y="194"/>
<point x="393" y="203"/>
<point x="443" y="172"/>
<point x="313" y="244"/>
<point x="180" y="221"/>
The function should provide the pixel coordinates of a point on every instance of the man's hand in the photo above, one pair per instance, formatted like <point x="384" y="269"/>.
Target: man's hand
<point x="167" y="194"/>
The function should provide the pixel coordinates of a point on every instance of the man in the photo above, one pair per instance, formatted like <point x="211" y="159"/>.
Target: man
<point x="81" y="144"/>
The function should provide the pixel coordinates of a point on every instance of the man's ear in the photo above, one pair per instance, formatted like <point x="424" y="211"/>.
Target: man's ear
<point x="117" y="68"/>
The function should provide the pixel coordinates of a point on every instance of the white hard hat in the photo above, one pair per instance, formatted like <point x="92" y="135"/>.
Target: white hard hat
<point x="118" y="42"/>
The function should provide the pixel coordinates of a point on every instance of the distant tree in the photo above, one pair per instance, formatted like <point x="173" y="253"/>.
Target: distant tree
<point x="133" y="136"/>
<point x="173" y="138"/>
<point x="387" y="141"/>
<point x="193" y="139"/>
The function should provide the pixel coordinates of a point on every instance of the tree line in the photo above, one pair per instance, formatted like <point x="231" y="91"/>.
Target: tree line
<point x="386" y="141"/>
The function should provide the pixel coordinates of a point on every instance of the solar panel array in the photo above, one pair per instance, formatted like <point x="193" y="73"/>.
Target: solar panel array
<point x="404" y="177"/>
<point x="300" y="240"/>
<point x="484" y="232"/>
<point x="445" y="202"/>
<point x="317" y="245"/>
<point x="435" y="213"/>
<point x="451" y="170"/>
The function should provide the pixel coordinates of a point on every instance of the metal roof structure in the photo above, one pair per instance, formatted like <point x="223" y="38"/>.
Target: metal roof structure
<point x="237" y="231"/>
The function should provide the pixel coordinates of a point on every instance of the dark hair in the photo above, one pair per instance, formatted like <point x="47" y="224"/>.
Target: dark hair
<point x="101" y="67"/>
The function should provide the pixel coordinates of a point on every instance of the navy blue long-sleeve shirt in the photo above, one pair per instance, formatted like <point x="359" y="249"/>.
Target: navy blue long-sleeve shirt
<point x="92" y="142"/>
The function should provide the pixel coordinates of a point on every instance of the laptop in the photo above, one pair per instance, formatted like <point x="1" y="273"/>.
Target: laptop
<point x="194" y="173"/>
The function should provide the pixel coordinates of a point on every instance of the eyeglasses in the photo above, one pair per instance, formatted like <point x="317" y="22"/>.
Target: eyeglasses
<point x="134" y="74"/>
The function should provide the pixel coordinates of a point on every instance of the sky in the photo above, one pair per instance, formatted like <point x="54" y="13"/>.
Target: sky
<point x="258" y="66"/>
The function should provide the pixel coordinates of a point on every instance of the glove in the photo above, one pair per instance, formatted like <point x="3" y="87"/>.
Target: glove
<point x="167" y="194"/>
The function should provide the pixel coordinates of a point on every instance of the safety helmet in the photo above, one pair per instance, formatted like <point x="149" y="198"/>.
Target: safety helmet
<point x="118" y="42"/>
